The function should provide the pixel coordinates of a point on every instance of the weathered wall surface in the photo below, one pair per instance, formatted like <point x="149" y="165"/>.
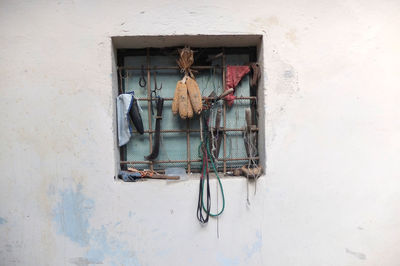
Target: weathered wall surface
<point x="330" y="195"/>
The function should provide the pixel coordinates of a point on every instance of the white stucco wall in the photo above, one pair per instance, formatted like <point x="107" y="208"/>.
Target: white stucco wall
<point x="331" y="191"/>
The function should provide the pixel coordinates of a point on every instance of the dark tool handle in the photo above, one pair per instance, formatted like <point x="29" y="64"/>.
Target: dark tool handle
<point x="248" y="117"/>
<point x="136" y="118"/>
<point x="160" y="105"/>
<point x="247" y="136"/>
<point x="164" y="177"/>
<point x="225" y="93"/>
<point x="156" y="146"/>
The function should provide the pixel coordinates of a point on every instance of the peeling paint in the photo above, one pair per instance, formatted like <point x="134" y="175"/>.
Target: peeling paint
<point x="72" y="215"/>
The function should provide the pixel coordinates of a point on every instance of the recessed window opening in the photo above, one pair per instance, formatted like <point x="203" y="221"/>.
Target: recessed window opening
<point x="153" y="73"/>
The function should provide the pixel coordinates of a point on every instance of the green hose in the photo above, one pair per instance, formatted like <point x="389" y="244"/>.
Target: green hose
<point x="219" y="181"/>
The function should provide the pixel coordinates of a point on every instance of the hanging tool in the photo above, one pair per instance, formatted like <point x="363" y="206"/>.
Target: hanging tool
<point x="250" y="136"/>
<point x="135" y="116"/>
<point x="156" y="146"/>
<point x="216" y="136"/>
<point x="142" y="79"/>
<point x="252" y="169"/>
<point x="154" y="92"/>
<point x="213" y="98"/>
<point x="256" y="74"/>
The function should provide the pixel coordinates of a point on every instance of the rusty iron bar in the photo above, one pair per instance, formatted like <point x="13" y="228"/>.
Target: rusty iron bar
<point x="224" y="104"/>
<point x="198" y="170"/>
<point x="168" y="67"/>
<point x="196" y="130"/>
<point x="149" y="106"/>
<point x="185" y="161"/>
<point x="206" y="98"/>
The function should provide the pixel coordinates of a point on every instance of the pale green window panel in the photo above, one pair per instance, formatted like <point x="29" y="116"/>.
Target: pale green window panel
<point x="173" y="145"/>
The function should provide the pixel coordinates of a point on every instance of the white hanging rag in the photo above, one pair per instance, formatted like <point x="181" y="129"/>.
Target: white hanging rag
<point x="124" y="102"/>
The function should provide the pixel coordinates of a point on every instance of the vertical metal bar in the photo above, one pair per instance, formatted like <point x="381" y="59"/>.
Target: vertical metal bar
<point x="148" y="104"/>
<point x="121" y="89"/>
<point x="188" y="144"/>
<point x="224" y="114"/>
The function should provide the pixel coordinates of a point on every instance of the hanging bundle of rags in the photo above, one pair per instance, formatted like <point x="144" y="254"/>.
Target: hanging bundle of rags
<point x="234" y="75"/>
<point x="187" y="98"/>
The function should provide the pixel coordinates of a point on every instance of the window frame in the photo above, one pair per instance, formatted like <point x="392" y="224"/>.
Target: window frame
<point x="251" y="51"/>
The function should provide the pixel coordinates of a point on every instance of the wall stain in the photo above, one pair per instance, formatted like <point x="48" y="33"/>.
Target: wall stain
<point x="255" y="247"/>
<point x="225" y="261"/>
<point x="72" y="215"/>
<point x="291" y="36"/>
<point x="110" y="249"/>
<point x="2" y="220"/>
<point x="269" y="21"/>
<point x="80" y="261"/>
<point x="284" y="88"/>
<point x="358" y="255"/>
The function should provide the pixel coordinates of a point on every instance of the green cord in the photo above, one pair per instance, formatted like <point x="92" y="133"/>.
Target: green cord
<point x="219" y="181"/>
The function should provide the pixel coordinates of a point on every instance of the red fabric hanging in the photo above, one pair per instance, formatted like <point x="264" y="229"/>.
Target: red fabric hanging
<point x="234" y="75"/>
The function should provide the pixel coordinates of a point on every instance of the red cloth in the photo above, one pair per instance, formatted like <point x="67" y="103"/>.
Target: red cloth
<point x="234" y="75"/>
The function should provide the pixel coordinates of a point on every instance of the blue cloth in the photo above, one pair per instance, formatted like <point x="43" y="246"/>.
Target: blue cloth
<point x="124" y="102"/>
<point x="129" y="176"/>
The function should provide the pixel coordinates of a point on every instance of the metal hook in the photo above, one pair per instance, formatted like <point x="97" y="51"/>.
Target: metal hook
<point x="123" y="73"/>
<point x="154" y="92"/>
<point x="142" y="80"/>
<point x="155" y="83"/>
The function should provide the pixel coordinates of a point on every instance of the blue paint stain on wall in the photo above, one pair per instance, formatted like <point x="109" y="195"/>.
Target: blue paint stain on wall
<point x="2" y="220"/>
<point x="103" y="247"/>
<point x="225" y="261"/>
<point x="72" y="215"/>
<point x="255" y="247"/>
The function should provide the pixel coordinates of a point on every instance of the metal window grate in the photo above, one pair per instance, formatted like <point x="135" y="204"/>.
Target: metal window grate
<point x="229" y="157"/>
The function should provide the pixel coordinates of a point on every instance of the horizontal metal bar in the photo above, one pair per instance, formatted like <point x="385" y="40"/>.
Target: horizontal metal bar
<point x="204" y="98"/>
<point x="198" y="170"/>
<point x="185" y="161"/>
<point x="173" y="51"/>
<point x="195" y="130"/>
<point x="168" y="67"/>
